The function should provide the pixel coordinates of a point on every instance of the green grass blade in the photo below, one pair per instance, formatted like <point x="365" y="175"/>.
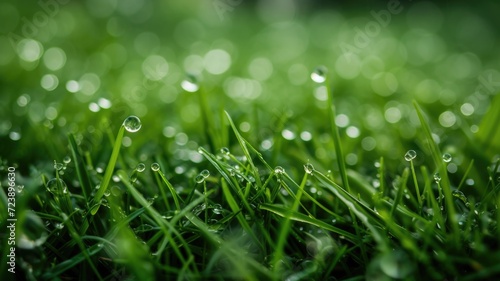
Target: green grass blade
<point x="109" y="171"/>
<point x="81" y="172"/>
<point x="166" y="227"/>
<point x="243" y="145"/>
<point x="236" y="210"/>
<point x="296" y="216"/>
<point x="362" y="212"/>
<point x="441" y="167"/>
<point x="62" y="267"/>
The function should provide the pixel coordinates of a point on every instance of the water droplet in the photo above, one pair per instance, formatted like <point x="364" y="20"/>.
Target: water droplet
<point x="205" y="173"/>
<point x="319" y="74"/>
<point x="410" y="155"/>
<point x="132" y="124"/>
<point x="225" y="151"/>
<point x="447" y="157"/>
<point x="199" y="178"/>
<point x="140" y="167"/>
<point x="190" y="83"/>
<point x="155" y="167"/>
<point x="217" y="209"/>
<point x="437" y="177"/>
<point x="309" y="168"/>
<point x="56" y="186"/>
<point x="460" y="195"/>
<point x="279" y="170"/>
<point x="58" y="166"/>
<point x="67" y="160"/>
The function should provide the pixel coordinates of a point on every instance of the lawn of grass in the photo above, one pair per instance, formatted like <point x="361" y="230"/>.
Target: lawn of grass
<point x="203" y="141"/>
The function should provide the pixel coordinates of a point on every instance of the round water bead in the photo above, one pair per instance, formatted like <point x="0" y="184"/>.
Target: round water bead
<point x="279" y="170"/>
<point x="140" y="167"/>
<point x="132" y="124"/>
<point x="309" y="168"/>
<point x="205" y="174"/>
<point x="199" y="178"/>
<point x="437" y="177"/>
<point x="447" y="157"/>
<point x="460" y="195"/>
<point x="190" y="83"/>
<point x="155" y="167"/>
<point x="58" y="166"/>
<point x="319" y="74"/>
<point x="67" y="160"/>
<point x="410" y="155"/>
<point x="224" y="151"/>
<point x="57" y="186"/>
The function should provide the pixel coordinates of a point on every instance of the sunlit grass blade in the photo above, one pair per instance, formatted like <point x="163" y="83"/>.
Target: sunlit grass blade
<point x="243" y="145"/>
<point x="441" y="167"/>
<point x="296" y="216"/>
<point x="96" y="203"/>
<point x="401" y="187"/>
<point x="365" y="214"/>
<point x="286" y="225"/>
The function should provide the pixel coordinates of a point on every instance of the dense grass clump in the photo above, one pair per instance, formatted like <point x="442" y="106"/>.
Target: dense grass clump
<point x="237" y="217"/>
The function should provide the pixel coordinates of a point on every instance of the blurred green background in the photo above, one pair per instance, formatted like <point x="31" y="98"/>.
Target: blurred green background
<point x="81" y="66"/>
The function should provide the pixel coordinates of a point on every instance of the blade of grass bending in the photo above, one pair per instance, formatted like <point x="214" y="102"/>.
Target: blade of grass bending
<point x="285" y="226"/>
<point x="77" y="238"/>
<point x="471" y="164"/>
<point x="336" y="137"/>
<point x="171" y="189"/>
<point x="340" y="155"/>
<point x="209" y="127"/>
<point x="417" y="188"/>
<point x="81" y="172"/>
<point x="440" y="165"/>
<point x="109" y="170"/>
<point x="364" y="213"/>
<point x="243" y="145"/>
<point x="56" y="271"/>
<point x="296" y="216"/>
<point x="236" y="209"/>
<point x="166" y="227"/>
<point x="401" y="188"/>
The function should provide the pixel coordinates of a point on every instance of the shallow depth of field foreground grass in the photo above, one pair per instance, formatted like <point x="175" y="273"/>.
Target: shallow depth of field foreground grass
<point x="163" y="141"/>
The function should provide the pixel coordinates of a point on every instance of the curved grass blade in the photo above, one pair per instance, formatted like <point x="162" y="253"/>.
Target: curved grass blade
<point x="296" y="216"/>
<point x="109" y="171"/>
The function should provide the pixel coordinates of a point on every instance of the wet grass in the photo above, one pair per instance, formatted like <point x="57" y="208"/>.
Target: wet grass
<point x="238" y="217"/>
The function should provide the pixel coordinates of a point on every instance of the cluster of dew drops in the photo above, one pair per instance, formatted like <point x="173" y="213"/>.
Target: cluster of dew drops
<point x="412" y="154"/>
